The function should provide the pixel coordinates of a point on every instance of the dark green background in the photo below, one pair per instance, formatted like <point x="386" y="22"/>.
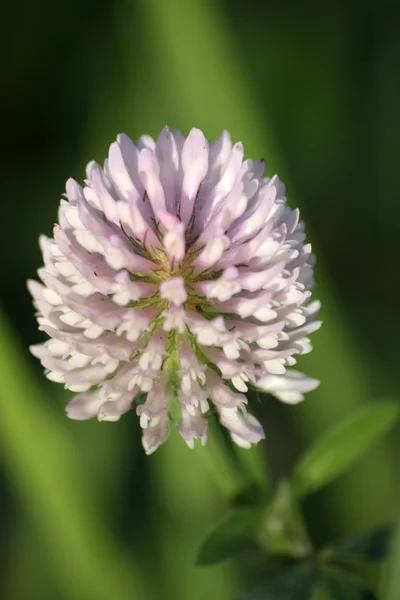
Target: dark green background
<point x="315" y="89"/>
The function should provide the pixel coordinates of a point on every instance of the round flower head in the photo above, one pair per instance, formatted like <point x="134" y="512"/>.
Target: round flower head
<point x="176" y="279"/>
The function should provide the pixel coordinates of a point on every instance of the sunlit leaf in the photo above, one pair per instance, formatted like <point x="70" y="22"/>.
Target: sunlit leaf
<point x="229" y="537"/>
<point x="342" y="446"/>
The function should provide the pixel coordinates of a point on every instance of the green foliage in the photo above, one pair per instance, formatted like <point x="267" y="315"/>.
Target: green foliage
<point x="373" y="545"/>
<point x="342" y="586"/>
<point x="229" y="537"/>
<point x="277" y="528"/>
<point x="392" y="587"/>
<point x="341" y="447"/>
<point x="312" y="581"/>
<point x="281" y="534"/>
<point x="296" y="583"/>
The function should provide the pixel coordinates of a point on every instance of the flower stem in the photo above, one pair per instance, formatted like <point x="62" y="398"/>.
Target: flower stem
<point x="249" y="471"/>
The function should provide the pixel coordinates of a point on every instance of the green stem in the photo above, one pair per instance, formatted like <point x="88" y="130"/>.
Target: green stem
<point x="247" y="486"/>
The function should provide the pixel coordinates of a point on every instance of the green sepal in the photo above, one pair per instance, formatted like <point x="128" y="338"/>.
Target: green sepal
<point x="282" y="531"/>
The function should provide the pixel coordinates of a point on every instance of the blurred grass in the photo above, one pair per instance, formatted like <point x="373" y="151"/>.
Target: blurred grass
<point x="46" y="472"/>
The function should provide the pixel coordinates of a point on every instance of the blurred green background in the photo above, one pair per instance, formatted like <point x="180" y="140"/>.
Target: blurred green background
<point x="313" y="88"/>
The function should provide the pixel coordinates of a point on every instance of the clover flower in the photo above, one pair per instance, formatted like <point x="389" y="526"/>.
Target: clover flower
<point x="176" y="279"/>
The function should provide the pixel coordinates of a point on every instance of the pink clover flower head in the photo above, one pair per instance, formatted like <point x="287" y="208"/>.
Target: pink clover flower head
<point x="176" y="279"/>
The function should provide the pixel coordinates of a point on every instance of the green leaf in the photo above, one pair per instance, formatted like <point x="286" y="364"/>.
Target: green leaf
<point x="372" y="545"/>
<point x="340" y="448"/>
<point x="342" y="586"/>
<point x="296" y="583"/>
<point x="229" y="537"/>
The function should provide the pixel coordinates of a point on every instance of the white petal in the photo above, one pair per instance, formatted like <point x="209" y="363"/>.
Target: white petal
<point x="84" y="406"/>
<point x="195" y="167"/>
